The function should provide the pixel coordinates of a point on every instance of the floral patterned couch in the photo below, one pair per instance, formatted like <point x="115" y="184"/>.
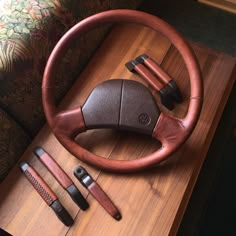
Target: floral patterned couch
<point x="29" y="29"/>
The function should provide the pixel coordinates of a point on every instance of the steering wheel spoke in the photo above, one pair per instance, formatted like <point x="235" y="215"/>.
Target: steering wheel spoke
<point x="170" y="131"/>
<point x="69" y="123"/>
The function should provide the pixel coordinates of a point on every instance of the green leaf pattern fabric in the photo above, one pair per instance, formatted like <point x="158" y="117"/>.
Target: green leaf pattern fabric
<point x="29" y="29"/>
<point x="23" y="24"/>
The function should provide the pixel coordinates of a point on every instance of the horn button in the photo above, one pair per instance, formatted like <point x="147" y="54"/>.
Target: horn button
<point x="121" y="104"/>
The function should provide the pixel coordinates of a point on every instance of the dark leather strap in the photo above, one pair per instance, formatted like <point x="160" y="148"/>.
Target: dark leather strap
<point x="88" y="182"/>
<point x="77" y="197"/>
<point x="4" y="233"/>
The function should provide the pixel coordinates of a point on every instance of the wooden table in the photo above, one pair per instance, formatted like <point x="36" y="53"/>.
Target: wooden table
<point x="151" y="202"/>
<point x="227" y="5"/>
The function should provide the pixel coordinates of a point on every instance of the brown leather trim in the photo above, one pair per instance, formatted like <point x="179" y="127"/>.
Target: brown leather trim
<point x="148" y="76"/>
<point x="170" y="131"/>
<point x="56" y="170"/>
<point x="40" y="186"/>
<point x="64" y="119"/>
<point x="118" y="166"/>
<point x="151" y="64"/>
<point x="190" y="120"/>
<point x="69" y="123"/>
<point x="104" y="200"/>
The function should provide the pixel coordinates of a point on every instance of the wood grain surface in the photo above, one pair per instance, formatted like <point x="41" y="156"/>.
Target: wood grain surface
<point x="227" y="5"/>
<point x="151" y="202"/>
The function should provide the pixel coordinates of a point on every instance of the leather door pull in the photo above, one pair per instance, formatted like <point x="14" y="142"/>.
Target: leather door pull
<point x="87" y="181"/>
<point x="61" y="177"/>
<point x="164" y="91"/>
<point x="157" y="70"/>
<point x="46" y="193"/>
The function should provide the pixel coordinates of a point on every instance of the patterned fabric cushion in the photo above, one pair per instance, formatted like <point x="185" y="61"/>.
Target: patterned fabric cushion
<point x="29" y="29"/>
<point x="13" y="140"/>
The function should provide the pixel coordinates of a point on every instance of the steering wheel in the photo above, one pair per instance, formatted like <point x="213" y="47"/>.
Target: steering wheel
<point x="122" y="104"/>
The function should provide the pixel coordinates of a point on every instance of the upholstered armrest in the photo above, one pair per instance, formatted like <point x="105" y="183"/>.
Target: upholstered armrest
<point x="29" y="30"/>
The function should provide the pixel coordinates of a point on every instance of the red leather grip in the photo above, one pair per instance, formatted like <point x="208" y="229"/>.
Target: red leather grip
<point x="56" y="170"/>
<point x="40" y="185"/>
<point x="65" y="124"/>
<point x="104" y="200"/>
<point x="150" y="63"/>
<point x="149" y="77"/>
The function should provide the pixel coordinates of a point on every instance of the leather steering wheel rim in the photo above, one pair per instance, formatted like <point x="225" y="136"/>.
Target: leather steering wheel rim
<point x="172" y="132"/>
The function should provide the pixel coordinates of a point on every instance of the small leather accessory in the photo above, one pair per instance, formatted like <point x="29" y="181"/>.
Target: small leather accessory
<point x="46" y="193"/>
<point x="61" y="177"/>
<point x="161" y="74"/>
<point x="88" y="182"/>
<point x="164" y="90"/>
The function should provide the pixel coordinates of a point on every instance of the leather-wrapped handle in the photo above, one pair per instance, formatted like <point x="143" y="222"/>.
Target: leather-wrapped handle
<point x="104" y="200"/>
<point x="46" y="193"/>
<point x="62" y="177"/>
<point x="94" y="188"/>
<point x="156" y="69"/>
<point x="151" y="64"/>
<point x="38" y="183"/>
<point x="53" y="167"/>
